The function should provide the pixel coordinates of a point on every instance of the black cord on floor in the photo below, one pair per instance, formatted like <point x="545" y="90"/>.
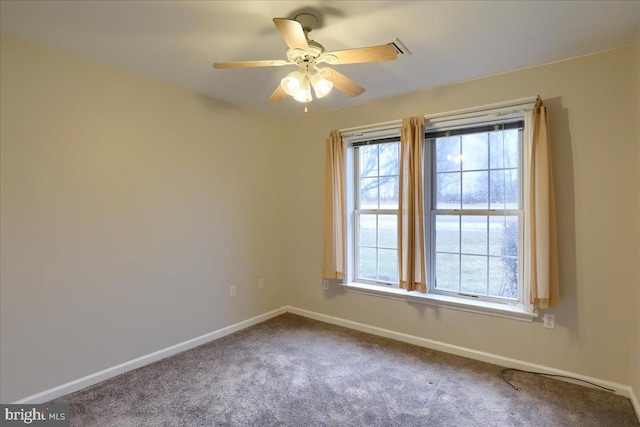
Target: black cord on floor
<point x="549" y="375"/>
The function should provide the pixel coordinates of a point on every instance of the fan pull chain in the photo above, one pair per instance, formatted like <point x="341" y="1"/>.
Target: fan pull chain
<point x="306" y="110"/>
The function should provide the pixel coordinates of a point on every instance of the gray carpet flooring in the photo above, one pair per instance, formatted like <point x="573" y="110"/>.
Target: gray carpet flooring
<point x="293" y="371"/>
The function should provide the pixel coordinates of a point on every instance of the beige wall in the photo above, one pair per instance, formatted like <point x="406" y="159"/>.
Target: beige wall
<point x="128" y="208"/>
<point x="597" y="187"/>
<point x="120" y="233"/>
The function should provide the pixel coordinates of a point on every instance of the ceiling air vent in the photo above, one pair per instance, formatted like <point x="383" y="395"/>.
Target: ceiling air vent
<point x="400" y="47"/>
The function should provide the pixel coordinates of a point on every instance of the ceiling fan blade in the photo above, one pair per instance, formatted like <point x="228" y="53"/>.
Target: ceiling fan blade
<point x="342" y="82"/>
<point x="292" y="33"/>
<point x="248" y="64"/>
<point x="384" y="52"/>
<point x="278" y="95"/>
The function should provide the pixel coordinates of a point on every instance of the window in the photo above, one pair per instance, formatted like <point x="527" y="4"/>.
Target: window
<point x="376" y="211"/>
<point x="476" y="213"/>
<point x="474" y="183"/>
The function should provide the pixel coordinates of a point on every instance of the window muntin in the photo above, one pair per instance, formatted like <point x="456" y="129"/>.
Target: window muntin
<point x="376" y="211"/>
<point x="476" y="214"/>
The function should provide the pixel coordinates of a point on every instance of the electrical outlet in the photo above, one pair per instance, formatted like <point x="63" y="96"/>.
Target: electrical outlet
<point x="325" y="283"/>
<point x="260" y="283"/>
<point x="549" y="321"/>
<point x="232" y="291"/>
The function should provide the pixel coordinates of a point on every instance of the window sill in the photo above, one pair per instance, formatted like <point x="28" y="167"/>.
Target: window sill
<point x="473" y="306"/>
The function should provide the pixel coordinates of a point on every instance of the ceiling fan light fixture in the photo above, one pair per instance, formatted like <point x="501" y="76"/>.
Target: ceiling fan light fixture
<point x="303" y="94"/>
<point x="293" y="82"/>
<point x="321" y="86"/>
<point x="307" y="54"/>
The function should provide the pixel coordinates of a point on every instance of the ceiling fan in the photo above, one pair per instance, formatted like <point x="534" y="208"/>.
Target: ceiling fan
<point x="307" y="55"/>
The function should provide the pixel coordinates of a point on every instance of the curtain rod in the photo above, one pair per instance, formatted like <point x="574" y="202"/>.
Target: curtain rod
<point x="396" y="124"/>
<point x="496" y="106"/>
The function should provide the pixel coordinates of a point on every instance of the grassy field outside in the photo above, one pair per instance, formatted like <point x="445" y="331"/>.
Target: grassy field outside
<point x="473" y="254"/>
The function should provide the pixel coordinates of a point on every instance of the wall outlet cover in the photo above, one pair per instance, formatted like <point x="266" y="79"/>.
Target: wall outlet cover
<point x="549" y="321"/>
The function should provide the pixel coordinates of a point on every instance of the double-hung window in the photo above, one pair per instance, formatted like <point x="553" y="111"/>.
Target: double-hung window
<point x="476" y="214"/>
<point x="474" y="208"/>
<point x="376" y="211"/>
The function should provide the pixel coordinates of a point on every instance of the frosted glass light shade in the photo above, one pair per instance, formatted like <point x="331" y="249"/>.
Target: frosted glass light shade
<point x="303" y="94"/>
<point x="321" y="86"/>
<point x="292" y="83"/>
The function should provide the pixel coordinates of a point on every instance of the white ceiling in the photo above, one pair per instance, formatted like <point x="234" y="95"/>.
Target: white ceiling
<point x="176" y="42"/>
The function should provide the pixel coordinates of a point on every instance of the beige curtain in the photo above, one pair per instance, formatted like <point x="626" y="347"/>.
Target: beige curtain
<point x="334" y="233"/>
<point x="543" y="268"/>
<point x="411" y="257"/>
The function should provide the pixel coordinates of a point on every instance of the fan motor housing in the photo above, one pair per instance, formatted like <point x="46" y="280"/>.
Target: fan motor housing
<point x="300" y="55"/>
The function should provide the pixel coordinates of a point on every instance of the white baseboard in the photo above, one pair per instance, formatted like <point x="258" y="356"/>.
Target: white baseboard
<point x="130" y="365"/>
<point x="507" y="362"/>
<point x="114" y="371"/>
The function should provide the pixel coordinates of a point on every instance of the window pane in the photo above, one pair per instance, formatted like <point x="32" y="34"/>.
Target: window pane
<point x="447" y="233"/>
<point x="497" y="150"/>
<point x="389" y="159"/>
<point x="367" y="268"/>
<point x="388" y="231"/>
<point x="503" y="277"/>
<point x="448" y="156"/>
<point x="497" y="189"/>
<point x="388" y="265"/>
<point x="448" y="195"/>
<point x="503" y="235"/>
<point x="512" y="195"/>
<point x="369" y="193"/>
<point x="475" y="151"/>
<point x="389" y="192"/>
<point x="368" y="160"/>
<point x="474" y="274"/>
<point x="496" y="235"/>
<point x="475" y="187"/>
<point x="512" y="145"/>
<point x="504" y="147"/>
<point x="367" y="230"/>
<point x="504" y="189"/>
<point x="474" y="235"/>
<point x="447" y="272"/>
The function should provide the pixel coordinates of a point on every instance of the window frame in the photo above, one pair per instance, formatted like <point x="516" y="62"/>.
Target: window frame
<point x="357" y="212"/>
<point x="431" y="213"/>
<point x="515" y="310"/>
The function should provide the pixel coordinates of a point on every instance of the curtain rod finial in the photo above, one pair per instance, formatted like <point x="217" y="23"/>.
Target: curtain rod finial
<point x="538" y="101"/>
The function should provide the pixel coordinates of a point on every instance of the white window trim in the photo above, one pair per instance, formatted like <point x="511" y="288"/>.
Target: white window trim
<point x="522" y="312"/>
<point x="507" y="311"/>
